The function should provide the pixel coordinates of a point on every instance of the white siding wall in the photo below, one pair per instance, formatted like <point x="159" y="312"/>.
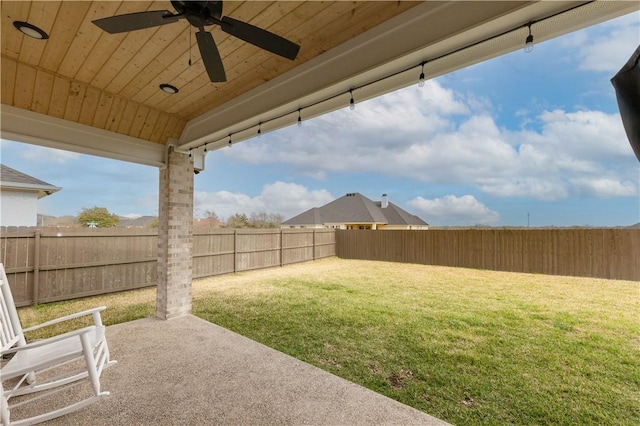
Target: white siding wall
<point x="18" y="208"/>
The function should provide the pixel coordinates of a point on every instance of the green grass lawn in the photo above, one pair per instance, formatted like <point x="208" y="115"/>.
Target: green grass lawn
<point x="468" y="346"/>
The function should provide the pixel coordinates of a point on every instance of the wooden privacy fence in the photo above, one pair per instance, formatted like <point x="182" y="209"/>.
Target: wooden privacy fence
<point x="46" y="265"/>
<point x="597" y="253"/>
<point x="49" y="265"/>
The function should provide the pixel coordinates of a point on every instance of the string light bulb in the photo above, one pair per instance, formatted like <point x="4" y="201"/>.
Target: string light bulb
<point x="189" y="153"/>
<point x="352" y="103"/>
<point x="205" y="148"/>
<point x="260" y="129"/>
<point x="230" y="142"/>
<point x="421" y="79"/>
<point x="528" y="44"/>
<point x="299" y="118"/>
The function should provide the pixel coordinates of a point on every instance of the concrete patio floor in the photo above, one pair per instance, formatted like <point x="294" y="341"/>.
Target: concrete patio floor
<point x="187" y="371"/>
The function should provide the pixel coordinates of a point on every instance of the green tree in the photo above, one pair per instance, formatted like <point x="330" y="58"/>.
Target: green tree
<point x="265" y="220"/>
<point x="238" y="220"/>
<point x="97" y="217"/>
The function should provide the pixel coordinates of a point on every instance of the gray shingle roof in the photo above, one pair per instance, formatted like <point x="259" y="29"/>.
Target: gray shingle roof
<point x="397" y="216"/>
<point x="13" y="179"/>
<point x="355" y="208"/>
<point x="306" y="218"/>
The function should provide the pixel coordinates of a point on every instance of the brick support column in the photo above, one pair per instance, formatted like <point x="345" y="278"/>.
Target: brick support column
<point x="175" y="237"/>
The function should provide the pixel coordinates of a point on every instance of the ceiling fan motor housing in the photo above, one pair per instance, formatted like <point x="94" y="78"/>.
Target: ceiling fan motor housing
<point x="199" y="13"/>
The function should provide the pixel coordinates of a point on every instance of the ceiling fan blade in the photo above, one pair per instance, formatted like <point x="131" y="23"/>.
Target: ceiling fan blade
<point x="210" y="56"/>
<point x="136" y="21"/>
<point x="258" y="37"/>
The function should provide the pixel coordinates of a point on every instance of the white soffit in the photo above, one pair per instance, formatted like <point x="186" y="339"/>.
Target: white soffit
<point x="21" y="125"/>
<point x="448" y="36"/>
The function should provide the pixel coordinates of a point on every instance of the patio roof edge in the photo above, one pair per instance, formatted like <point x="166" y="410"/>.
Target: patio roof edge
<point x="25" y="126"/>
<point x="319" y="86"/>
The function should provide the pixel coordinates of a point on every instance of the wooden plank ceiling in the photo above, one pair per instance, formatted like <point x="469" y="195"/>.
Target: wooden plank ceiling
<point x="111" y="81"/>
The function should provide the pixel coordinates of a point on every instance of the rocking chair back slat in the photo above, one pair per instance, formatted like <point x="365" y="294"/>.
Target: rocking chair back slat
<point x="10" y="329"/>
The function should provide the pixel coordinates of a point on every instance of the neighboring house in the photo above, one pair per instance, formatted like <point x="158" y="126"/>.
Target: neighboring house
<point x="355" y="211"/>
<point x="19" y="195"/>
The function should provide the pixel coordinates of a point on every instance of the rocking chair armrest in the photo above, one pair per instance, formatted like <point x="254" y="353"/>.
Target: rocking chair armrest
<point x="50" y="340"/>
<point x="93" y="311"/>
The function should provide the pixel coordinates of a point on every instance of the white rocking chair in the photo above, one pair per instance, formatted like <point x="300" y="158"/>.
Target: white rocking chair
<point x="27" y="361"/>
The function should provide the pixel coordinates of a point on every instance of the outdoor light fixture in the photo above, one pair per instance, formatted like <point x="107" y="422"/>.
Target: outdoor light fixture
<point x="299" y="118"/>
<point x="30" y="30"/>
<point x="528" y="44"/>
<point x="172" y="90"/>
<point x="352" y="103"/>
<point x="421" y="79"/>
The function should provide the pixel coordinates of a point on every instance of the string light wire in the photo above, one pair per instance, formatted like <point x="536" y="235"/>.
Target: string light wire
<point x="402" y="71"/>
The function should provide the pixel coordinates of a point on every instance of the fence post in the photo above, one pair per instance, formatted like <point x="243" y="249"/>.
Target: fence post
<point x="281" y="247"/>
<point x="235" y="251"/>
<point x="313" y="248"/>
<point x="36" y="267"/>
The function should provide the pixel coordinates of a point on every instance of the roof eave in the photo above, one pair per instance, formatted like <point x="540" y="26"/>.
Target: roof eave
<point x="42" y="190"/>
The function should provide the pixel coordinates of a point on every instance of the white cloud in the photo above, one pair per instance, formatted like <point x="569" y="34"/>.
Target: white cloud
<point x="542" y="189"/>
<point x="605" y="187"/>
<point x="288" y="199"/>
<point x="403" y="136"/>
<point x="291" y="199"/>
<point x="358" y="140"/>
<point x="590" y="135"/>
<point x="607" y="48"/>
<point x="453" y="210"/>
<point x="225" y="203"/>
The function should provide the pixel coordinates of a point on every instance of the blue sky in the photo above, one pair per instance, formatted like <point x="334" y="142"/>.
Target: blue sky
<point x="524" y="137"/>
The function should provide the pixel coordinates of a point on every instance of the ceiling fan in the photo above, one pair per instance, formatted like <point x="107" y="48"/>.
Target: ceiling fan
<point x="201" y="14"/>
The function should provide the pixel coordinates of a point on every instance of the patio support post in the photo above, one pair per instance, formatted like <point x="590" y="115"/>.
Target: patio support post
<point x="175" y="237"/>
